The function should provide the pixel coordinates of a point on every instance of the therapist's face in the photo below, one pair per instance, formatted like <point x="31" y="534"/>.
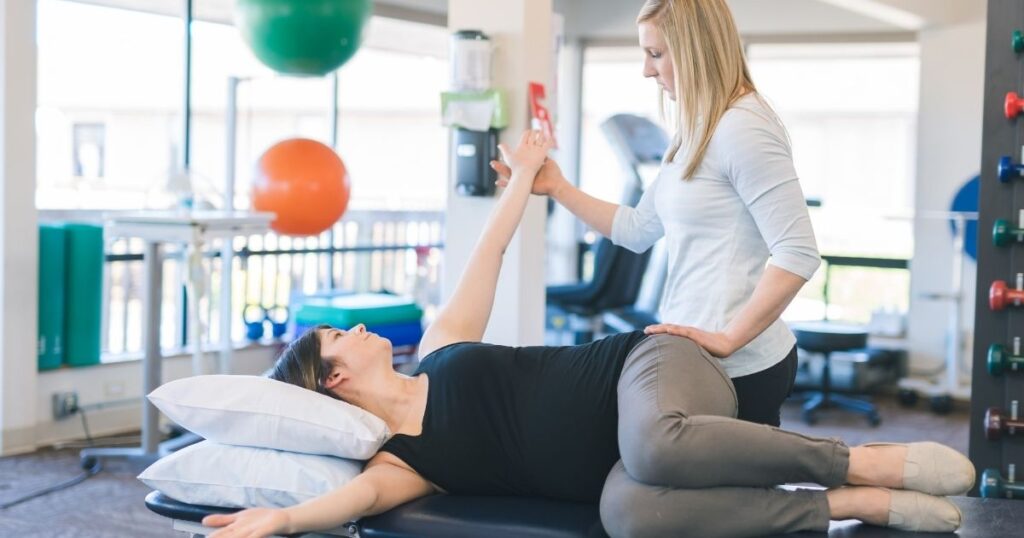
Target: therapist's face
<point x="353" y="352"/>
<point x="657" y="60"/>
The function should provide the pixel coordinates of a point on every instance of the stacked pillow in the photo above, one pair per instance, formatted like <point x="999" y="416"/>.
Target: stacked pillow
<point x="212" y="474"/>
<point x="268" y="443"/>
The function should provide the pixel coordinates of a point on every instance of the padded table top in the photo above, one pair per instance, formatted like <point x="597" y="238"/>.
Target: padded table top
<point x="498" y="517"/>
<point x="495" y="517"/>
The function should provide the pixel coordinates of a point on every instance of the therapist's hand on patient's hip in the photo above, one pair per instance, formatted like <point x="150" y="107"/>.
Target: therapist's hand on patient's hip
<point x="548" y="180"/>
<point x="251" y="523"/>
<point x="717" y="344"/>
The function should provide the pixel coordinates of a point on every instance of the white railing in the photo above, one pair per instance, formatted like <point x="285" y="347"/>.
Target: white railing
<point x="395" y="251"/>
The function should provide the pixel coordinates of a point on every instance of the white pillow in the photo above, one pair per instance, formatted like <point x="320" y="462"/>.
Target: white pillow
<point x="265" y="413"/>
<point x="211" y="474"/>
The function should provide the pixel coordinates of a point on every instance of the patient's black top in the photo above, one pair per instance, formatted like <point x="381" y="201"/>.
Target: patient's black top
<point x="529" y="421"/>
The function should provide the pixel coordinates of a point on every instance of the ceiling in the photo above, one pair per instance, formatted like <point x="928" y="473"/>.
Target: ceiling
<point x="613" y="20"/>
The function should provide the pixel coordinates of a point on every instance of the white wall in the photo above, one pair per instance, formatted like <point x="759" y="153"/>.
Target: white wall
<point x="116" y="383"/>
<point x="949" y="150"/>
<point x="19" y="240"/>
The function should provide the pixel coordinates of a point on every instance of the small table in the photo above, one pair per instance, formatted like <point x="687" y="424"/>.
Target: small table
<point x="156" y="228"/>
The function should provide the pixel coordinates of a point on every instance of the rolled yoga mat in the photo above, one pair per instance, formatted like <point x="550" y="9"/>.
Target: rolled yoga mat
<point x="51" y="296"/>
<point x="84" y="288"/>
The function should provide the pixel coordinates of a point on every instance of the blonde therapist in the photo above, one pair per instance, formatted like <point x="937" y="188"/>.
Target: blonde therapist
<point x="727" y="201"/>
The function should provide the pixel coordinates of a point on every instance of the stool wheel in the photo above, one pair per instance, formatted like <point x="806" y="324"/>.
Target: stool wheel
<point x="809" y="418"/>
<point x="88" y="462"/>
<point x="908" y="398"/>
<point x="874" y="419"/>
<point x="941" y="405"/>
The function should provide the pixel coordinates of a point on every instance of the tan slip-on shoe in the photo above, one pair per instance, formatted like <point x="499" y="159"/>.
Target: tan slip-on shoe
<point x="935" y="469"/>
<point x="918" y="512"/>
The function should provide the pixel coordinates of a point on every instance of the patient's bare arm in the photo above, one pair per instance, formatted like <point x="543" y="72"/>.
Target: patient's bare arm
<point x="381" y="487"/>
<point x="464" y="317"/>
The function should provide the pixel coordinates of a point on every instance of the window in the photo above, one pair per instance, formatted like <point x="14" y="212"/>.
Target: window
<point x="89" y="148"/>
<point x="109" y="132"/>
<point x="109" y="101"/>
<point x="114" y="111"/>
<point x="851" y="113"/>
<point x="613" y="83"/>
<point x="389" y="124"/>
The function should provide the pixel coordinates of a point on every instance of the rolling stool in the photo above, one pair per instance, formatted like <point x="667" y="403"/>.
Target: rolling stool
<point x="826" y="338"/>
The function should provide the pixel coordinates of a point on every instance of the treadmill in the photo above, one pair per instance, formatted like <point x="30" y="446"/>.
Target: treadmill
<point x="640" y="145"/>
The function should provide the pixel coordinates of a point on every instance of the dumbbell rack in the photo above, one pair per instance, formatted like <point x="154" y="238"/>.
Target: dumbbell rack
<point x="1000" y="198"/>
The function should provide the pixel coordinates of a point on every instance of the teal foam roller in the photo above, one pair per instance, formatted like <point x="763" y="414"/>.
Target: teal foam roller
<point x="51" y="296"/>
<point x="349" y="310"/>
<point x="83" y="309"/>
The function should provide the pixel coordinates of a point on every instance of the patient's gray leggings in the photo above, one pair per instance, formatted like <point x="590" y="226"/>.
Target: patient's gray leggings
<point x="689" y="468"/>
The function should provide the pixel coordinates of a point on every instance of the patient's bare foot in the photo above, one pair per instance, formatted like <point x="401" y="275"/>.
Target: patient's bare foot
<point x="878" y="465"/>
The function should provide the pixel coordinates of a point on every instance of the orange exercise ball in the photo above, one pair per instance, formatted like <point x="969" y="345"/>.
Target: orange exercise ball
<point x="305" y="183"/>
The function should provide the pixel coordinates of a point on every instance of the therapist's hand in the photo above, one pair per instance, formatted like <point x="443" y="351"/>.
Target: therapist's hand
<point x="549" y="179"/>
<point x="251" y="523"/>
<point x="718" y="345"/>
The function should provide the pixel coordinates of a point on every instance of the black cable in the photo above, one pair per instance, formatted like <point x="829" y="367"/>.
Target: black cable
<point x="85" y="426"/>
<point x="95" y="468"/>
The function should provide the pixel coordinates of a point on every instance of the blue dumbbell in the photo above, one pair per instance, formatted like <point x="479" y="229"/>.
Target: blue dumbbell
<point x="994" y="486"/>
<point x="255" y="315"/>
<point x="1009" y="170"/>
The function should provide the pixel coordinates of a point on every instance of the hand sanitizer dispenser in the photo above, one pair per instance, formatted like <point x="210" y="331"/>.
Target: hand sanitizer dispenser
<point x="475" y="112"/>
<point x="473" y="152"/>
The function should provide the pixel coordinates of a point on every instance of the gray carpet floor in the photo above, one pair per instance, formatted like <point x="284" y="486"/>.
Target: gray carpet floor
<point x="110" y="503"/>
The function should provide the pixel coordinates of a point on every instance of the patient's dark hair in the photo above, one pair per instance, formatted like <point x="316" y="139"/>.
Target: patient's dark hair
<point x="302" y="364"/>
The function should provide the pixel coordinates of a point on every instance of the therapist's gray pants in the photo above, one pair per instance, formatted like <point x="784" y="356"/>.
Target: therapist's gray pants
<point x="689" y="468"/>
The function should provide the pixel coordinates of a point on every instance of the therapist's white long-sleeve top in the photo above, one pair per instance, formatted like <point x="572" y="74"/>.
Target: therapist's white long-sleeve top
<point x="743" y="204"/>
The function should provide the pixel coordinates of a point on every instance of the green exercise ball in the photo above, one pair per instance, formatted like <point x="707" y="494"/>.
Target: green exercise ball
<point x="302" y="37"/>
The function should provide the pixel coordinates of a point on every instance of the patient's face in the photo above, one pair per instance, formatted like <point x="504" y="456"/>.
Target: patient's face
<point x="356" y="350"/>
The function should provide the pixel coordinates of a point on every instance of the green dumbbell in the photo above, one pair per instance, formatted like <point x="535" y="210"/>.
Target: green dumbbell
<point x="1018" y="41"/>
<point x="999" y="360"/>
<point x="994" y="486"/>
<point x="1003" y="233"/>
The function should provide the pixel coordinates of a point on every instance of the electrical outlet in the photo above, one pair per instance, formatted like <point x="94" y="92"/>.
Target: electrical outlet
<point x="114" y="389"/>
<point x="65" y="404"/>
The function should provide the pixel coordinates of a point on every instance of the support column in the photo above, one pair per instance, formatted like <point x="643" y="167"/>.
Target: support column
<point x="19" y="235"/>
<point x="522" y="34"/>
<point x="564" y="228"/>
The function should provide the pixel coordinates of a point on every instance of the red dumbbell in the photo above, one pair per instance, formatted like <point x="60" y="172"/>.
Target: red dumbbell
<point x="1013" y="105"/>
<point x="996" y="424"/>
<point x="1000" y="296"/>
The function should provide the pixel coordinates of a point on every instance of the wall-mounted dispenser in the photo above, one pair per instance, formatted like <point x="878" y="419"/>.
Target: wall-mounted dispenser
<point x="475" y="112"/>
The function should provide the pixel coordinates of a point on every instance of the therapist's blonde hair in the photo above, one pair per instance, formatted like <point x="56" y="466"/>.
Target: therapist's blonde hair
<point x="710" y="70"/>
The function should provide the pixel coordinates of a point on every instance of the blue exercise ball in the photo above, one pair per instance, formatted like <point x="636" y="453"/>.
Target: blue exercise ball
<point x="966" y="201"/>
